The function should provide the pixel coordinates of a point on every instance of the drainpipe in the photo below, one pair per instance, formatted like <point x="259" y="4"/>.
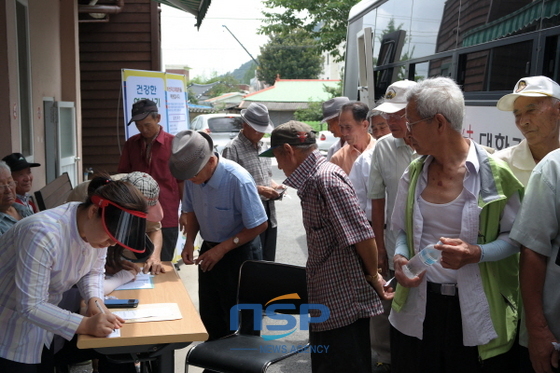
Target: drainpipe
<point x="100" y="11"/>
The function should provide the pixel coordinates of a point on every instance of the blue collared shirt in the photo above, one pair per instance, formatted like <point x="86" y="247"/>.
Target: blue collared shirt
<point x="226" y="204"/>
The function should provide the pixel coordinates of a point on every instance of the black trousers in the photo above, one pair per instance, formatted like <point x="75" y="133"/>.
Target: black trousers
<point x="170" y="236"/>
<point x="217" y="289"/>
<point x="345" y="349"/>
<point x="268" y="237"/>
<point x="441" y="348"/>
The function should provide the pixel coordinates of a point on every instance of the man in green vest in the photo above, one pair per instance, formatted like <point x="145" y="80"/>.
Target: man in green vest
<point x="460" y="314"/>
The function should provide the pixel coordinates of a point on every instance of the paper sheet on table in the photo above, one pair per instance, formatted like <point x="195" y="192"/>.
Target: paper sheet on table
<point x="151" y="312"/>
<point x="142" y="281"/>
<point x="115" y="334"/>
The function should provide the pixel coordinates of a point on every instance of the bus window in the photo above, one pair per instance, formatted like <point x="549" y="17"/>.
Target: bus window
<point x="495" y="69"/>
<point x="509" y="63"/>
<point x="551" y="57"/>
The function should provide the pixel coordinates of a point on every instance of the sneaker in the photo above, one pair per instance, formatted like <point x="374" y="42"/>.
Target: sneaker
<point x="382" y="368"/>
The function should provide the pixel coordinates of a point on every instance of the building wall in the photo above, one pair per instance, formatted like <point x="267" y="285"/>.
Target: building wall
<point x="129" y="40"/>
<point x="47" y="72"/>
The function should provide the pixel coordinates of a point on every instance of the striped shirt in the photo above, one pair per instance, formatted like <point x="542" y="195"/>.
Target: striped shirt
<point x="43" y="256"/>
<point x="334" y="222"/>
<point x="242" y="151"/>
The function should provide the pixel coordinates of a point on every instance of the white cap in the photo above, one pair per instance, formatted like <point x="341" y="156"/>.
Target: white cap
<point x="531" y="86"/>
<point x="395" y="97"/>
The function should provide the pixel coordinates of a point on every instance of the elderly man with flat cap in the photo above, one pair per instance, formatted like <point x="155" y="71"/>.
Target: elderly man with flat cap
<point x="244" y="149"/>
<point x="149" y="152"/>
<point x="220" y="200"/>
<point x="331" y="112"/>
<point x="22" y="175"/>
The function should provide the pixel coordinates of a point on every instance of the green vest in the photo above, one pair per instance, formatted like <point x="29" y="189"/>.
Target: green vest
<point x="500" y="278"/>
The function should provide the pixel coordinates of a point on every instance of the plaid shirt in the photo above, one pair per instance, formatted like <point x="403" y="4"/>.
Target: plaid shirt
<point x="334" y="222"/>
<point x="246" y="154"/>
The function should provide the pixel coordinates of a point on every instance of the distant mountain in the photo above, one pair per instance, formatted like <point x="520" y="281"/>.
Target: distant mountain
<point x="245" y="72"/>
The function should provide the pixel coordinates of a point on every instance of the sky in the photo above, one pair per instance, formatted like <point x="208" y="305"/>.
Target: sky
<point x="212" y="48"/>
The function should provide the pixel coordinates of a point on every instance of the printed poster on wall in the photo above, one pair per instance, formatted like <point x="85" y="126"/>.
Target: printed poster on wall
<point x="168" y="91"/>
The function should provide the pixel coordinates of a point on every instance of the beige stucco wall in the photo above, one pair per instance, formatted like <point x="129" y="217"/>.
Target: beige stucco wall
<point x="54" y="71"/>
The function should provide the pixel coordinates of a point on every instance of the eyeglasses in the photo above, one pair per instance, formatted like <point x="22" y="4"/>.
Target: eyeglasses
<point x="10" y="185"/>
<point x="409" y="125"/>
<point x="393" y="116"/>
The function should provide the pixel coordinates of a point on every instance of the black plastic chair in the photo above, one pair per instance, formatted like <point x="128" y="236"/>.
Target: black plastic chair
<point x="259" y="282"/>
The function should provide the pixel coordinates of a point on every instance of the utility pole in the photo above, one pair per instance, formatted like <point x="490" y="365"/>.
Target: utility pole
<point x="241" y="45"/>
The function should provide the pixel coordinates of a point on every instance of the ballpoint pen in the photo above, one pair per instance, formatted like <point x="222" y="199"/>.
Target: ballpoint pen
<point x="100" y="308"/>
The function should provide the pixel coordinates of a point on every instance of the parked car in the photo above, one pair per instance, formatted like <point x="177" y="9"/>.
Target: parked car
<point x="222" y="128"/>
<point x="324" y="141"/>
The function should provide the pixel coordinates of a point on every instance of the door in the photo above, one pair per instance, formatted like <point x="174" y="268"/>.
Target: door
<point x="67" y="158"/>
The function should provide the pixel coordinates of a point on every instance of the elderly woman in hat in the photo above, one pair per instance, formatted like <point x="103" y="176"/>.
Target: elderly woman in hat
<point x="49" y="252"/>
<point x="10" y="211"/>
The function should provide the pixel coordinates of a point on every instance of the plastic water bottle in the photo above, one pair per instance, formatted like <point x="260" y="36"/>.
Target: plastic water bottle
<point x="421" y="261"/>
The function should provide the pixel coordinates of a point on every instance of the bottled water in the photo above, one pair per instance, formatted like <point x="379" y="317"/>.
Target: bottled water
<point x="421" y="261"/>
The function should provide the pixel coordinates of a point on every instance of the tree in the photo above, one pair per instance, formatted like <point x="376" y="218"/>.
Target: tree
<point x="291" y="56"/>
<point x="324" y="20"/>
<point x="313" y="113"/>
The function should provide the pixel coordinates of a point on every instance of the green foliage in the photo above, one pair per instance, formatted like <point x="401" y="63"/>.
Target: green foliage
<point x="313" y="113"/>
<point x="316" y="125"/>
<point x="249" y="74"/>
<point x="291" y="56"/>
<point x="192" y="97"/>
<point x="324" y="20"/>
<point x="334" y="91"/>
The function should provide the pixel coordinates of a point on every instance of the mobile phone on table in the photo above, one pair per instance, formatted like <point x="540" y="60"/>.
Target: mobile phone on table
<point x="121" y="303"/>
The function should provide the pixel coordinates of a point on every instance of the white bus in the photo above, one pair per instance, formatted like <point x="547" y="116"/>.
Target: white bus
<point x="484" y="45"/>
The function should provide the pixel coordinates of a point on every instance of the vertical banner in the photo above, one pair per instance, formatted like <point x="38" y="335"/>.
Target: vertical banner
<point x="168" y="91"/>
<point x="177" y="113"/>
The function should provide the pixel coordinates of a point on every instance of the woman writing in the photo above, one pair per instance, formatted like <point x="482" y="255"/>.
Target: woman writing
<point x="46" y="254"/>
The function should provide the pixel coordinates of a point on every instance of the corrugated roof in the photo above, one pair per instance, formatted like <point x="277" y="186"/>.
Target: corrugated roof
<point x="294" y="90"/>
<point x="198" y="8"/>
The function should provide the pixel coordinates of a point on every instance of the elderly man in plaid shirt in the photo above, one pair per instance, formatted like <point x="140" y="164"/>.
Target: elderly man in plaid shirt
<point x="244" y="149"/>
<point x="341" y="268"/>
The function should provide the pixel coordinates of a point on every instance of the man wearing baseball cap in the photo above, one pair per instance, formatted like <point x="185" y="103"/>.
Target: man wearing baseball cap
<point x="220" y="201"/>
<point x="535" y="103"/>
<point x="149" y="152"/>
<point x="390" y="157"/>
<point x="244" y="149"/>
<point x="331" y="111"/>
<point x="342" y="263"/>
<point x="21" y="173"/>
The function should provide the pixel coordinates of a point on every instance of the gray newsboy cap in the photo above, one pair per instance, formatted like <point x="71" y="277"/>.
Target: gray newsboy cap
<point x="331" y="108"/>
<point x="190" y="152"/>
<point x="256" y="115"/>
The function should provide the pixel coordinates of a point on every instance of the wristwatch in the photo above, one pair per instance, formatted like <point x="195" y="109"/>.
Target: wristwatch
<point x="236" y="240"/>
